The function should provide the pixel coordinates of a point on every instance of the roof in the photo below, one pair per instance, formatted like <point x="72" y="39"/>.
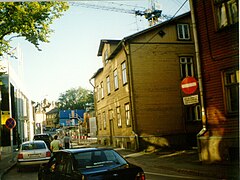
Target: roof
<point x="104" y="41"/>
<point x="128" y="38"/>
<point x="53" y="111"/>
<point x="96" y="73"/>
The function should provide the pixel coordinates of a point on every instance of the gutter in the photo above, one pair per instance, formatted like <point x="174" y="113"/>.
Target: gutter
<point x="134" y="131"/>
<point x="198" y="61"/>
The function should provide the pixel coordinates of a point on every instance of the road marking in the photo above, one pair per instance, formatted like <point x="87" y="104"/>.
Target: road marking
<point x="175" y="176"/>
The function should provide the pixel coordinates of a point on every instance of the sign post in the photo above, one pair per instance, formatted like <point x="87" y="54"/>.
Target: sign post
<point x="10" y="124"/>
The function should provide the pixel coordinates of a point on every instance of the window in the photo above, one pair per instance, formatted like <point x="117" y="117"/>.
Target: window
<point x="104" y="121"/>
<point x="110" y="112"/>
<point x="98" y="93"/>
<point x="183" y="32"/>
<point x="127" y="115"/>
<point x="119" y="120"/>
<point x="193" y="113"/>
<point x="108" y="85"/>
<point x="231" y="90"/>
<point x="226" y="12"/>
<point x="102" y="90"/>
<point x="106" y="56"/>
<point x="99" y="122"/>
<point x="186" y="67"/>
<point x="124" y="73"/>
<point x="115" y="79"/>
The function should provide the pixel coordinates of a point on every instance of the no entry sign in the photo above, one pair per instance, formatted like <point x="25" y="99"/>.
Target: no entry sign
<point x="10" y="123"/>
<point x="189" y="85"/>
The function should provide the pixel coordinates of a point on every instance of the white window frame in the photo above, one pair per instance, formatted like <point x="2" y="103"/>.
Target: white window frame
<point x="186" y="66"/>
<point x="119" y="120"/>
<point x="102" y="90"/>
<point x="124" y="73"/>
<point x="183" y="31"/>
<point x="127" y="114"/>
<point x="115" y="75"/>
<point x="108" y="85"/>
<point x="104" y="120"/>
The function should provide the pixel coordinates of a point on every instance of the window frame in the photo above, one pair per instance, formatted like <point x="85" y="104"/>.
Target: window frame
<point x="115" y="75"/>
<point x="232" y="75"/>
<point x="102" y="90"/>
<point x="118" y="113"/>
<point x="186" y="65"/>
<point x="127" y="114"/>
<point x="185" y="32"/>
<point x="124" y="72"/>
<point x="104" y="120"/>
<point x="108" y="85"/>
<point x="229" y="14"/>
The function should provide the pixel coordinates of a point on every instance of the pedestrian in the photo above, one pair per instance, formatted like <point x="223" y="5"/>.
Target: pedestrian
<point x="55" y="144"/>
<point x="66" y="141"/>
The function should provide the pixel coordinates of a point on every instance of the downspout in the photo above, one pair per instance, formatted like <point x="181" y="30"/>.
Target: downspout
<point x="198" y="61"/>
<point x="134" y="131"/>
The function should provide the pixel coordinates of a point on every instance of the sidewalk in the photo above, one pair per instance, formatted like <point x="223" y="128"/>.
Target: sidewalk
<point x="7" y="161"/>
<point x="184" y="161"/>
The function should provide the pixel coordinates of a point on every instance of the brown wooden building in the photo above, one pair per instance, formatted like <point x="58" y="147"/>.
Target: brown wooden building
<point x="138" y="99"/>
<point x="217" y="27"/>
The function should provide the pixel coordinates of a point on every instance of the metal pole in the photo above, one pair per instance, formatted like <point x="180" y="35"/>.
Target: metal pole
<point x="11" y="138"/>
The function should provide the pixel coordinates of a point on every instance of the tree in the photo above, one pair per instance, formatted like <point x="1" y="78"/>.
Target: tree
<point x="75" y="98"/>
<point x="31" y="20"/>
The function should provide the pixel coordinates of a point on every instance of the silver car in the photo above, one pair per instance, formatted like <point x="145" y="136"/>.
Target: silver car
<point x="32" y="153"/>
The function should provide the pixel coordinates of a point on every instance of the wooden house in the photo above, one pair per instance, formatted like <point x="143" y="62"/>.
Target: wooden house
<point x="138" y="99"/>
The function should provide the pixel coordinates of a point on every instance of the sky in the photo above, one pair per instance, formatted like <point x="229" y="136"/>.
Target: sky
<point x="70" y="59"/>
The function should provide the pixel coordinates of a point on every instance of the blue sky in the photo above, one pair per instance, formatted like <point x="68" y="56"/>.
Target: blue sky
<point x="70" y="59"/>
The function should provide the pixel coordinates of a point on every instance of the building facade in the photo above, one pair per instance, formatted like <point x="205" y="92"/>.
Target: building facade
<point x="16" y="104"/>
<point x="138" y="99"/>
<point x="217" y="33"/>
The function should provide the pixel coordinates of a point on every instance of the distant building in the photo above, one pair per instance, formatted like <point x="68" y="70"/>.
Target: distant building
<point x="70" y="117"/>
<point x="52" y="119"/>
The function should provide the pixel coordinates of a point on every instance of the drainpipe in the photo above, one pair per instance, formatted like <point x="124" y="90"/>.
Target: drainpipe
<point x="198" y="61"/>
<point x="134" y="131"/>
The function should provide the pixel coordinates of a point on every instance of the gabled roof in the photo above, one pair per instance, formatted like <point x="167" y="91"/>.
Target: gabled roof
<point x="53" y="111"/>
<point x="96" y="73"/>
<point x="103" y="41"/>
<point x="128" y="38"/>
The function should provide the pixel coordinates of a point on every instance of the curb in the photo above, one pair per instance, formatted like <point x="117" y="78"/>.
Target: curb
<point x="6" y="170"/>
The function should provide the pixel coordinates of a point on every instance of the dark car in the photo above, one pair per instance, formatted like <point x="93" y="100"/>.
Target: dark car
<point x="47" y="138"/>
<point x="89" y="163"/>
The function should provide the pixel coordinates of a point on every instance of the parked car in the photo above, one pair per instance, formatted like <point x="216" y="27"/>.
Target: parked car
<point x="89" y="163"/>
<point x="33" y="153"/>
<point x="47" y="138"/>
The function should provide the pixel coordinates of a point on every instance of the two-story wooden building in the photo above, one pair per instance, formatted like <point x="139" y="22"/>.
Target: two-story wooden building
<point x="138" y="99"/>
<point x="217" y="34"/>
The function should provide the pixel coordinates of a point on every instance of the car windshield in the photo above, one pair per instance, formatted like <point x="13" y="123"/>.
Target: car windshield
<point x="33" y="145"/>
<point x="93" y="159"/>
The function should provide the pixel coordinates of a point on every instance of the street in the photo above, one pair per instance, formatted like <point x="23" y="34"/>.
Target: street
<point x="152" y="171"/>
<point x="32" y="173"/>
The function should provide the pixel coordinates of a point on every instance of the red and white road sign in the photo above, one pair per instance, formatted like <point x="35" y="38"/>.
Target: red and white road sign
<point x="10" y="123"/>
<point x="189" y="85"/>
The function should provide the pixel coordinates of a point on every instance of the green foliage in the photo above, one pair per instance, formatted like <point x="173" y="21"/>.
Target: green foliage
<point x="75" y="98"/>
<point x="31" y="20"/>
